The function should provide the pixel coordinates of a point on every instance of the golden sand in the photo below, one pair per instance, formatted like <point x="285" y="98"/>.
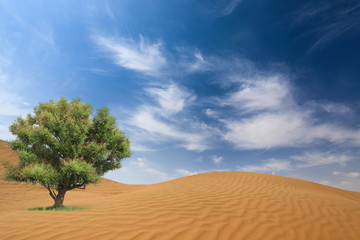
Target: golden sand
<point x="221" y="205"/>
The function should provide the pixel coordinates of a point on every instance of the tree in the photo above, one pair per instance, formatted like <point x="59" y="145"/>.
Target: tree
<point x="62" y="148"/>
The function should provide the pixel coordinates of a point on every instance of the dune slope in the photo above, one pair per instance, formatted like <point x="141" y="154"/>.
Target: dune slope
<point x="221" y="205"/>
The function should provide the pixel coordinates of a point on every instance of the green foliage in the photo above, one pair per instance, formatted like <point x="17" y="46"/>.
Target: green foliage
<point x="40" y="173"/>
<point x="64" y="146"/>
<point x="77" y="171"/>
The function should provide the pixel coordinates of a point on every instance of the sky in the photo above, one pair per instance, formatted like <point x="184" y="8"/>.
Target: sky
<point x="198" y="85"/>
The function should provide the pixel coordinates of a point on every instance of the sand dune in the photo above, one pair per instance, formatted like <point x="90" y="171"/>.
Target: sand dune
<point x="221" y="205"/>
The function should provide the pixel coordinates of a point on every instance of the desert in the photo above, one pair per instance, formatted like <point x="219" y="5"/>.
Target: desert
<point x="218" y="205"/>
<point x="179" y="120"/>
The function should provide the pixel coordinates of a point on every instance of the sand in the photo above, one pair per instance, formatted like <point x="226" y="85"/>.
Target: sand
<point x="221" y="205"/>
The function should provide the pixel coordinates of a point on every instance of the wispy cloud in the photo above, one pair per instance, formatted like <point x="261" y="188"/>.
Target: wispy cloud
<point x="271" y="118"/>
<point x="285" y="129"/>
<point x="345" y="183"/>
<point x="184" y="172"/>
<point x="45" y="33"/>
<point x="103" y="8"/>
<point x="259" y="110"/>
<point x="24" y="38"/>
<point x="229" y="7"/>
<point x="217" y="160"/>
<point x="261" y="93"/>
<point x="329" y="107"/>
<point x="195" y="137"/>
<point x="270" y="165"/>
<point x="315" y="158"/>
<point x="13" y="105"/>
<point x="140" y="148"/>
<point x="138" y="171"/>
<point x="140" y="56"/>
<point x="5" y="134"/>
<point x="335" y="19"/>
<point x="193" y="60"/>
<point x="142" y="163"/>
<point x="324" y="182"/>
<point x="347" y="174"/>
<point x="26" y="47"/>
<point x="306" y="160"/>
<point x="265" y="131"/>
<point x="171" y="98"/>
<point x="158" y="123"/>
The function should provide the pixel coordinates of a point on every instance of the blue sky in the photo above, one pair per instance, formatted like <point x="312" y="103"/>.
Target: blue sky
<point x="198" y="85"/>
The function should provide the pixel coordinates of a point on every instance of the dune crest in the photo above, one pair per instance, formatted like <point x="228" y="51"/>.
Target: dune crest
<point x="220" y="205"/>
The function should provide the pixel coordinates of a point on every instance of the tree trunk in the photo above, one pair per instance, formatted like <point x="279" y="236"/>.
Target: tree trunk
<point x="59" y="200"/>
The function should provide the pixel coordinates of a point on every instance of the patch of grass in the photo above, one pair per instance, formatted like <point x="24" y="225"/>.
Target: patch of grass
<point x="65" y="208"/>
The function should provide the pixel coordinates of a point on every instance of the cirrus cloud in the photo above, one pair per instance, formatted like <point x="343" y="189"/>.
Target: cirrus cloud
<point x="140" y="56"/>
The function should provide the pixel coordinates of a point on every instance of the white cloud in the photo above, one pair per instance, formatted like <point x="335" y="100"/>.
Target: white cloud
<point x="210" y="113"/>
<point x="161" y="175"/>
<point x="345" y="183"/>
<point x="141" y="162"/>
<point x="145" y="119"/>
<point x="306" y="160"/>
<point x="353" y="174"/>
<point x="265" y="115"/>
<point x="329" y="107"/>
<point x="196" y="140"/>
<point x="5" y="134"/>
<point x="140" y="148"/>
<point x="185" y="172"/>
<point x="269" y="93"/>
<point x="336" y="108"/>
<point x="138" y="171"/>
<point x="270" y="165"/>
<point x="138" y="162"/>
<point x="272" y="119"/>
<point x="312" y="159"/>
<point x="347" y="174"/>
<point x="171" y="98"/>
<point x="157" y="123"/>
<point x="324" y="182"/>
<point x="217" y="160"/>
<point x="266" y="131"/>
<point x="349" y="183"/>
<point x="141" y="56"/>
<point x="13" y="105"/>
<point x="285" y="129"/>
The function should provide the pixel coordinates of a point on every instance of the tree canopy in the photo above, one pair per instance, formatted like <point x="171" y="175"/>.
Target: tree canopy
<point x="63" y="146"/>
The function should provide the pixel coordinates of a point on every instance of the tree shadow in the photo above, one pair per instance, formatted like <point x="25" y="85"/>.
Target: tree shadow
<point x="51" y="208"/>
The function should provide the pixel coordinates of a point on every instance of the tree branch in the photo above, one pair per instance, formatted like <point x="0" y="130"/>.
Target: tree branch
<point x="51" y="192"/>
<point x="78" y="185"/>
